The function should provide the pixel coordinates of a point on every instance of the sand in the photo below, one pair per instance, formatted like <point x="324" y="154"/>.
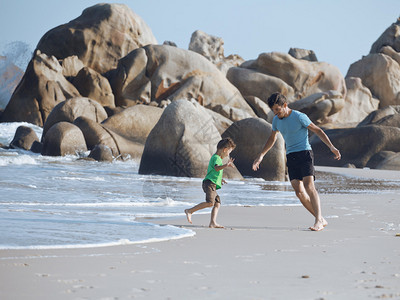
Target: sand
<point x="263" y="253"/>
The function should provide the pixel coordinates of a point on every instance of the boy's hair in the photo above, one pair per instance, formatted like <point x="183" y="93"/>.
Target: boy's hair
<point x="276" y="98"/>
<point x="226" y="143"/>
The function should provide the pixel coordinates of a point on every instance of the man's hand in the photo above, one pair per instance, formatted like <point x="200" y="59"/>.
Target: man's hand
<point x="336" y="153"/>
<point x="257" y="162"/>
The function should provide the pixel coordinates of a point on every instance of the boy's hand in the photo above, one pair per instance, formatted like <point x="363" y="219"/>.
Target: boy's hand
<point x="230" y="163"/>
<point x="223" y="181"/>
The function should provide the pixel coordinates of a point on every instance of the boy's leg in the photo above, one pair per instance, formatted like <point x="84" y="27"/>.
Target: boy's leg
<point x="214" y="214"/>
<point x="199" y="206"/>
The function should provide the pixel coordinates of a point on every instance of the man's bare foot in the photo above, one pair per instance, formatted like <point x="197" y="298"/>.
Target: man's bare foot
<point x="324" y="222"/>
<point x="188" y="216"/>
<point x="215" y="225"/>
<point x="318" y="226"/>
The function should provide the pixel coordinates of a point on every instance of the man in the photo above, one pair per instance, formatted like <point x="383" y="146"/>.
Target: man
<point x="294" y="126"/>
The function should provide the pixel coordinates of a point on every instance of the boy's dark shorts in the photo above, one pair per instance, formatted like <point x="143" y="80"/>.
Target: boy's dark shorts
<point x="300" y="164"/>
<point x="210" y="188"/>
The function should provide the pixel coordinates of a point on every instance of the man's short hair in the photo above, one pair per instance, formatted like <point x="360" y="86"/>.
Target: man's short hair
<point x="226" y="143"/>
<point x="276" y="98"/>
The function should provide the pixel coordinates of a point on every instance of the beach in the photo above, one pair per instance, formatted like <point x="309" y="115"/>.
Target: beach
<point x="263" y="253"/>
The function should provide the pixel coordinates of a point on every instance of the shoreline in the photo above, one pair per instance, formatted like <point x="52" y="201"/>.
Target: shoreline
<point x="264" y="253"/>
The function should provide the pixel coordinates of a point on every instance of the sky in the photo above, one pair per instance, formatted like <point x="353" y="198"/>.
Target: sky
<point x="340" y="32"/>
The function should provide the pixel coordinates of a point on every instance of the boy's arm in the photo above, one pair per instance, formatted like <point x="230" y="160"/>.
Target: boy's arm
<point x="268" y="145"/>
<point x="324" y="138"/>
<point x="228" y="164"/>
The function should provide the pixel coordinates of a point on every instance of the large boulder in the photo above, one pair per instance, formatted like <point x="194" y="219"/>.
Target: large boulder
<point x="63" y="139"/>
<point x="390" y="37"/>
<point x="253" y="83"/>
<point x="99" y="37"/>
<point x="381" y="74"/>
<point x="359" y="103"/>
<point x="101" y="153"/>
<point x="261" y="109"/>
<point x="388" y="116"/>
<point x="96" y="134"/>
<point x="305" y="77"/>
<point x="92" y="85"/>
<point x="181" y="143"/>
<point x="42" y="87"/>
<point x="250" y="136"/>
<point x="303" y="54"/>
<point x="357" y="145"/>
<point x="71" y="66"/>
<point x="378" y="115"/>
<point x="320" y="106"/>
<point x="73" y="108"/>
<point x="212" y="48"/>
<point x="24" y="138"/>
<point x="135" y="122"/>
<point x="160" y="72"/>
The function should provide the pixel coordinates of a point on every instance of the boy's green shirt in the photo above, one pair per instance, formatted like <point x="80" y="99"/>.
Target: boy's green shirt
<point x="213" y="175"/>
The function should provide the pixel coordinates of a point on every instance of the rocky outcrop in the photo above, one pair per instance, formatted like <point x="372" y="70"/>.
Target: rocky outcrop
<point x="92" y="85"/>
<point x="260" y="108"/>
<point x="388" y="116"/>
<point x="320" y="106"/>
<point x="71" y="66"/>
<point x="305" y="77"/>
<point x="24" y="138"/>
<point x="102" y="35"/>
<point x="381" y="75"/>
<point x="359" y="103"/>
<point x="42" y="87"/>
<point x="390" y="37"/>
<point x="134" y="123"/>
<point x="63" y="139"/>
<point x="97" y="134"/>
<point x="253" y="83"/>
<point x="101" y="153"/>
<point x="159" y="72"/>
<point x="212" y="48"/>
<point x="250" y="136"/>
<point x="357" y="145"/>
<point x="68" y="111"/>
<point x="303" y="54"/>
<point x="182" y="142"/>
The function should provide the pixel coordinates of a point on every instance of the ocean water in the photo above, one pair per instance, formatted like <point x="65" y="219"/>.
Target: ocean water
<point x="64" y="202"/>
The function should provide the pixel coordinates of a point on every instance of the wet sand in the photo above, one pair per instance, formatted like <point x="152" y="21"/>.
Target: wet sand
<point x="263" y="253"/>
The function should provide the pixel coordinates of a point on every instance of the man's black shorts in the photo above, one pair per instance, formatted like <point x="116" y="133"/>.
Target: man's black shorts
<point x="300" y="164"/>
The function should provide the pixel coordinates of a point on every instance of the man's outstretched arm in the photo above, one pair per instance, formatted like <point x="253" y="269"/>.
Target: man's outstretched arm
<point x="324" y="138"/>
<point x="268" y="145"/>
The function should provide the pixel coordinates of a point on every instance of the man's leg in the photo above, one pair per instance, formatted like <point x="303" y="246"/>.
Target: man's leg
<point x="309" y="186"/>
<point x="302" y="195"/>
<point x="308" y="196"/>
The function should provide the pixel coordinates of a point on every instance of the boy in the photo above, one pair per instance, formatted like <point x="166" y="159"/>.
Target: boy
<point x="213" y="181"/>
<point x="294" y="127"/>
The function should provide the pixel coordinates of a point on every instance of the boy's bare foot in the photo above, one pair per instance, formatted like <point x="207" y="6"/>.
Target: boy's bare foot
<point x="188" y="216"/>
<point x="215" y="225"/>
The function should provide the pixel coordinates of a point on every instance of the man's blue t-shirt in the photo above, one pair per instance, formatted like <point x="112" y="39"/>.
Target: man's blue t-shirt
<point x="294" y="131"/>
